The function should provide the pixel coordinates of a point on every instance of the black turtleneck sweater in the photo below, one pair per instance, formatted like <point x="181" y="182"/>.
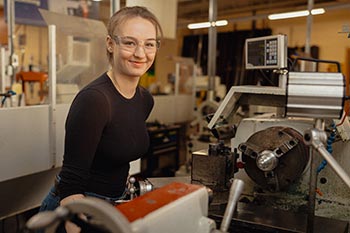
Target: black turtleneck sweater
<point x="104" y="132"/>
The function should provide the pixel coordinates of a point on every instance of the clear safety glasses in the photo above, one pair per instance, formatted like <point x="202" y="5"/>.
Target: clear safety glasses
<point x="130" y="44"/>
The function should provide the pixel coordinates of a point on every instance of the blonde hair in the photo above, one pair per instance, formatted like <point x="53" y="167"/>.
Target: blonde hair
<point x="126" y="13"/>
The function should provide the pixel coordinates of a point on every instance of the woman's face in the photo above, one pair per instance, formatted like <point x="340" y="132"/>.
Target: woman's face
<point x="132" y="47"/>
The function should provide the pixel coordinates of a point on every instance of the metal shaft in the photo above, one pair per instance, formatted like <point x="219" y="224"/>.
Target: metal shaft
<point x="212" y="41"/>
<point x="235" y="193"/>
<point x="312" y="192"/>
<point x="315" y="138"/>
<point x="334" y="164"/>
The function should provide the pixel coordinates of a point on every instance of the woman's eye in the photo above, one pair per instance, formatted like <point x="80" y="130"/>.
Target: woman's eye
<point x="129" y="43"/>
<point x="150" y="44"/>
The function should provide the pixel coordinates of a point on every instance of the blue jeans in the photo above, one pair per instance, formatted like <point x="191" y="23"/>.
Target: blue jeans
<point x="50" y="203"/>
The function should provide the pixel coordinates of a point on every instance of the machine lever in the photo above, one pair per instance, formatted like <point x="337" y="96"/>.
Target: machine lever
<point x="235" y="192"/>
<point x="316" y="138"/>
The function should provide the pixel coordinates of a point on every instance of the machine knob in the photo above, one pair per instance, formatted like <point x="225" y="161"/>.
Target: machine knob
<point x="267" y="161"/>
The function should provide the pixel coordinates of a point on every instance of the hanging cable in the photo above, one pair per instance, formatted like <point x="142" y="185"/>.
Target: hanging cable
<point x="346" y="112"/>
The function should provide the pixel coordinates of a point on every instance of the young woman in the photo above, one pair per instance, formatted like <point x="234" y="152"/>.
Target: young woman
<point x="105" y="126"/>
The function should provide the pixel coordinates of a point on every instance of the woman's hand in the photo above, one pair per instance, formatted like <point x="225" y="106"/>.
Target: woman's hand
<point x="71" y="227"/>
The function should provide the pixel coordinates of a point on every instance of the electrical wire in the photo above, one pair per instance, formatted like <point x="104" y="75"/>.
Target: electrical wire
<point x="344" y="117"/>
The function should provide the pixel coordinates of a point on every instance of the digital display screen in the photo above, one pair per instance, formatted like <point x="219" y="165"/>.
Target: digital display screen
<point x="256" y="53"/>
<point x="263" y="52"/>
<point x="268" y="52"/>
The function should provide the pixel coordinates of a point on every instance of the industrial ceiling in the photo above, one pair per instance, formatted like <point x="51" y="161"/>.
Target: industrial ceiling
<point x="190" y="11"/>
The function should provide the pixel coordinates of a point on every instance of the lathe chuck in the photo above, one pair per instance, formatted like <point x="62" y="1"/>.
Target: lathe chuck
<point x="275" y="157"/>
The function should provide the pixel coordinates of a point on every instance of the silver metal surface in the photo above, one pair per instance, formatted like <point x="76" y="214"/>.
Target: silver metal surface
<point x="285" y="168"/>
<point x="314" y="138"/>
<point x="10" y="25"/>
<point x="267" y="161"/>
<point x="212" y="41"/>
<point x="145" y="186"/>
<point x="47" y="219"/>
<point x="230" y="105"/>
<point x="52" y="93"/>
<point x="100" y="214"/>
<point x="310" y="5"/>
<point x="235" y="192"/>
<point x="159" y="182"/>
<point x="114" y="6"/>
<point x="315" y="95"/>
<point x="2" y="69"/>
<point x="263" y="219"/>
<point x="312" y="192"/>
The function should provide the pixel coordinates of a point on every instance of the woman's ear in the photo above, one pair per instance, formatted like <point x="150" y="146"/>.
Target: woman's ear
<point x="109" y="44"/>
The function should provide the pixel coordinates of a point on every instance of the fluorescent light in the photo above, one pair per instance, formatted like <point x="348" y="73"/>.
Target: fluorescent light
<point x="221" y="23"/>
<point x="207" y="24"/>
<point x="318" y="11"/>
<point x="295" y="14"/>
<point x="288" y="15"/>
<point x="198" y="25"/>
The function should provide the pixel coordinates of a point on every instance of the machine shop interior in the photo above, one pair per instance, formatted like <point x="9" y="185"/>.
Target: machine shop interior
<point x="250" y="130"/>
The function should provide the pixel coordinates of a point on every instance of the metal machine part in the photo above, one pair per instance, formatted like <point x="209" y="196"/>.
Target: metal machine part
<point x="275" y="157"/>
<point x="214" y="167"/>
<point x="102" y="216"/>
<point x="258" y="219"/>
<point x="315" y="95"/>
<point x="269" y="52"/>
<point x="158" y="211"/>
<point x="235" y="192"/>
<point x="316" y="138"/>
<point x="176" y="207"/>
<point x="136" y="188"/>
<point x="144" y="186"/>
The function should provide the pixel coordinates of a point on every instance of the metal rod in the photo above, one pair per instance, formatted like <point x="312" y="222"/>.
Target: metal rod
<point x="52" y="93"/>
<point x="312" y="192"/>
<point x="334" y="164"/>
<point x="114" y="6"/>
<point x="235" y="192"/>
<point x="2" y="69"/>
<point x="316" y="138"/>
<point x="177" y="78"/>
<point x="11" y="34"/>
<point x="310" y="5"/>
<point x="319" y="126"/>
<point x="10" y="24"/>
<point x="212" y="48"/>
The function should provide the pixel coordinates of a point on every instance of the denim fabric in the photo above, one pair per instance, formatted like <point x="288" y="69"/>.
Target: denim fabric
<point x="50" y="203"/>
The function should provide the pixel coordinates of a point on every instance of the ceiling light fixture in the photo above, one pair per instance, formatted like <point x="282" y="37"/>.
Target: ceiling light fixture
<point x="207" y="24"/>
<point x="295" y="14"/>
